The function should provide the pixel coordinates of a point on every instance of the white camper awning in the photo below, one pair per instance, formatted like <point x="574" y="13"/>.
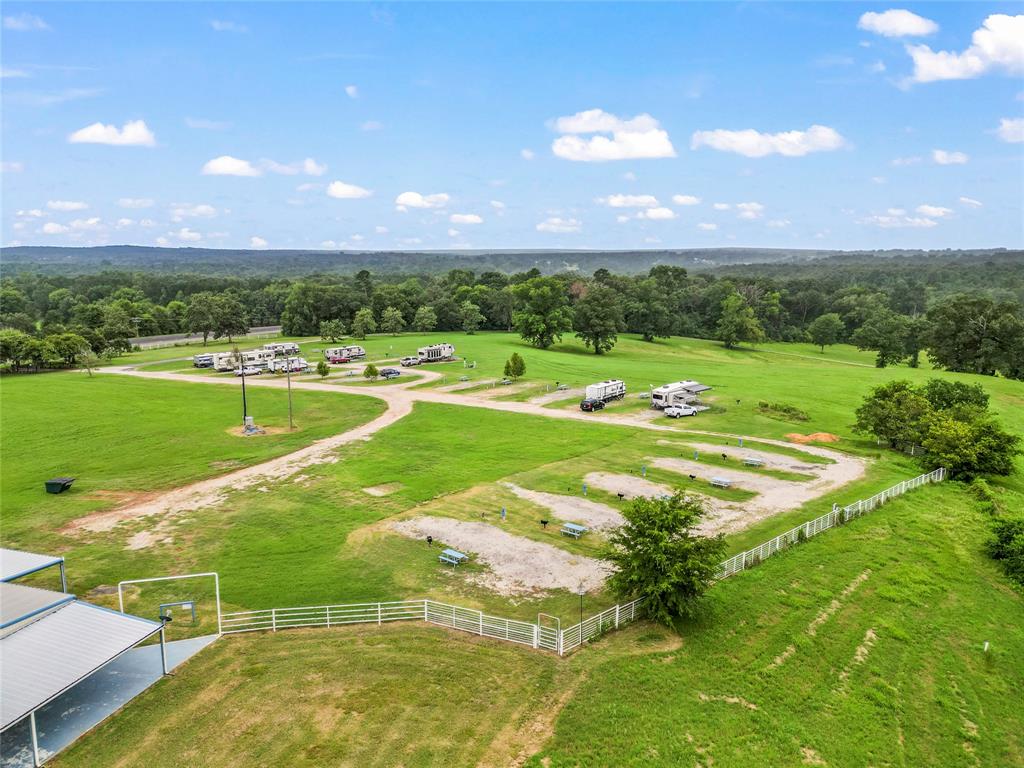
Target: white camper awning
<point x="14" y="563"/>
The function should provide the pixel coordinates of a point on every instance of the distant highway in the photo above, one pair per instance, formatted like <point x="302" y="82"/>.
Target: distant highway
<point x="171" y="338"/>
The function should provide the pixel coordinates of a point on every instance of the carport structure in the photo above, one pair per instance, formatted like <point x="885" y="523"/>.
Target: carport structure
<point x="14" y="564"/>
<point x="52" y="641"/>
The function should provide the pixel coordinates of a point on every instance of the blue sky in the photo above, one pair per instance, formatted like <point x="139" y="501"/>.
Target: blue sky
<point x="415" y="126"/>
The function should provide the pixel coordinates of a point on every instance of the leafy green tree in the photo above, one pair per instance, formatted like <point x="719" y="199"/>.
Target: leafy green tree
<point x="67" y="346"/>
<point x="946" y="395"/>
<point x="332" y="331"/>
<point x="471" y="317"/>
<point x="544" y="313"/>
<point x="88" y="359"/>
<point x="658" y="555"/>
<point x="38" y="352"/>
<point x="826" y="330"/>
<point x="884" y="332"/>
<point x="893" y="412"/>
<point x="425" y="319"/>
<point x="391" y="321"/>
<point x="371" y="372"/>
<point x="363" y="323"/>
<point x="738" y="323"/>
<point x="230" y="318"/>
<point x="323" y="370"/>
<point x="968" y="448"/>
<point x="201" y="314"/>
<point x="508" y="370"/>
<point x="975" y="334"/>
<point x="13" y="345"/>
<point x="515" y="367"/>
<point x="598" y="318"/>
<point x="647" y="311"/>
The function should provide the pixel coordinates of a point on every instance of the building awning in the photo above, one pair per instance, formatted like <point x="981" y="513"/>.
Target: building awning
<point x="14" y="563"/>
<point x="46" y="655"/>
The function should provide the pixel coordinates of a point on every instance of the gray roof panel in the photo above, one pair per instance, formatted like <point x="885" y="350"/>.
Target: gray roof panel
<point x="19" y="603"/>
<point x="14" y="563"/>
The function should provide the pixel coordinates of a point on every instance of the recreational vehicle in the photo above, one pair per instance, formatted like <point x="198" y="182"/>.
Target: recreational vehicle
<point x="225" y="361"/>
<point x="258" y="358"/>
<point x="202" y="361"/>
<point x="677" y="393"/>
<point x="351" y="352"/>
<point x="605" y="391"/>
<point x="293" y="364"/>
<point x="281" y="348"/>
<point x="436" y="353"/>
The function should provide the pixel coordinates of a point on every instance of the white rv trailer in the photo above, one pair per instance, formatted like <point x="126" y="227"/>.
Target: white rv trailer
<point x="613" y="389"/>
<point x="353" y="352"/>
<point x="257" y="358"/>
<point x="281" y="348"/>
<point x="677" y="393"/>
<point x="436" y="353"/>
<point x="202" y="361"/>
<point x="224" y="361"/>
<point x="283" y="365"/>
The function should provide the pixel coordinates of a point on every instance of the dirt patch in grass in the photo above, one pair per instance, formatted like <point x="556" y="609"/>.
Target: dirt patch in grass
<point x="517" y="565"/>
<point x="860" y="655"/>
<point x="826" y="614"/>
<point x="384" y="489"/>
<point x="240" y="431"/>
<point x="814" y="437"/>
<point x="810" y="757"/>
<point x="629" y="486"/>
<point x="728" y="700"/>
<point x="571" y="508"/>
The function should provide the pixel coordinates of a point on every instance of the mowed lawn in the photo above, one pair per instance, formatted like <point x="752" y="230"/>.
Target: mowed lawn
<point x="122" y="437"/>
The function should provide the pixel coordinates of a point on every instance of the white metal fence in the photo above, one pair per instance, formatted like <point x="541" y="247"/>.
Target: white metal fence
<point x="837" y="516"/>
<point x="561" y="641"/>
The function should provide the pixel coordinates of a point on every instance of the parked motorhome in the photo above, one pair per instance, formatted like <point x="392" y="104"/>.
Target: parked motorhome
<point x="225" y="361"/>
<point x="202" y="361"/>
<point x="677" y="393"/>
<point x="352" y="352"/>
<point x="605" y="391"/>
<point x="293" y="364"/>
<point x="436" y="353"/>
<point x="282" y="348"/>
<point x="259" y="358"/>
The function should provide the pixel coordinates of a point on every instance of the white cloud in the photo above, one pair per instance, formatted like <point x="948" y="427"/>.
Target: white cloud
<point x="657" y="214"/>
<point x="218" y="25"/>
<point x="206" y="125"/>
<point x="896" y="218"/>
<point x="133" y="133"/>
<point x="147" y="223"/>
<point x="779" y="223"/>
<point x="328" y="244"/>
<point x="707" y="226"/>
<point x="933" y="211"/>
<point x="11" y="166"/>
<point x="371" y="125"/>
<point x="187" y="235"/>
<point x="92" y="223"/>
<point x="352" y="91"/>
<point x="943" y="157"/>
<point x="125" y="223"/>
<point x="309" y="166"/>
<point x="498" y="205"/>
<point x="465" y="218"/>
<point x="344" y="191"/>
<point x="66" y="205"/>
<point x="878" y="179"/>
<point x="380" y="230"/>
<point x="970" y="202"/>
<point x="558" y="224"/>
<point x="685" y="200"/>
<point x="226" y="165"/>
<point x="416" y="200"/>
<point x="182" y="211"/>
<point x="628" y="201"/>
<point x="452" y="232"/>
<point x="721" y="206"/>
<point x="622" y="218"/>
<point x="897" y="23"/>
<point x="996" y="45"/>
<point x="25" y="22"/>
<point x="629" y="176"/>
<point x="11" y="74"/>
<point x="135" y="202"/>
<point x="634" y="138"/>
<point x="904" y="161"/>
<point x="357" y="238"/>
<point x="53" y="228"/>
<point x="751" y="143"/>
<point x="257" y="242"/>
<point x="1011" y="129"/>
<point x="527" y="154"/>
<point x="876" y="68"/>
<point x="750" y="210"/>
<point x="34" y="213"/>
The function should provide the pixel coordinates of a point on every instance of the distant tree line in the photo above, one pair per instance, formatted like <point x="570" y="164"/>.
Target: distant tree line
<point x="979" y="331"/>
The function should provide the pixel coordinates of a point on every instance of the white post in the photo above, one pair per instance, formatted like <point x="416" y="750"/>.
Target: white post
<point x="536" y="636"/>
<point x="480" y="618"/>
<point x="616" y="615"/>
<point x="35" y="740"/>
<point x="163" y="649"/>
<point x="273" y="618"/>
<point x="379" y="617"/>
<point x="328" y="617"/>
<point x="63" y="578"/>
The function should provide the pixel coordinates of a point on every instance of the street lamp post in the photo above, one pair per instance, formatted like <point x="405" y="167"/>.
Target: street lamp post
<point x="288" y="372"/>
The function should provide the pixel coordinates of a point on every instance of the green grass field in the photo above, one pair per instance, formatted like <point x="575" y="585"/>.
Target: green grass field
<point x="918" y="693"/>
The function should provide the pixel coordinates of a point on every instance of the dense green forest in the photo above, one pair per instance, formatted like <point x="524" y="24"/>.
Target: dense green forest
<point x="966" y="312"/>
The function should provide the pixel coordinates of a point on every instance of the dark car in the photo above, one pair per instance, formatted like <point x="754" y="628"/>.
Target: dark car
<point x="390" y="373"/>
<point x="591" y="405"/>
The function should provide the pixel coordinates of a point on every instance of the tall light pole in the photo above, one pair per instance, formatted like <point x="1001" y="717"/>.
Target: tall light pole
<point x="241" y="367"/>
<point x="288" y="373"/>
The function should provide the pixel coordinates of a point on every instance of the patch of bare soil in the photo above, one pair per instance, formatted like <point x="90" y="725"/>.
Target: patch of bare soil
<point x="814" y="437"/>
<point x="385" y="489"/>
<point x="860" y="655"/>
<point x="629" y="486"/>
<point x="558" y="394"/>
<point x="571" y="509"/>
<point x="240" y="431"/>
<point x="728" y="700"/>
<point x="465" y="385"/>
<point x="517" y="565"/>
<point x="826" y="613"/>
<point x="771" y="460"/>
<point x="810" y="757"/>
<point x="501" y="391"/>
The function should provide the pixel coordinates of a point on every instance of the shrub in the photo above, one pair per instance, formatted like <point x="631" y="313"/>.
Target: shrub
<point x="781" y="411"/>
<point x="1007" y="545"/>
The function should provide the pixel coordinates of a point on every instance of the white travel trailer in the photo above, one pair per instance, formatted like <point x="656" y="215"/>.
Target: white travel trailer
<point x="436" y="353"/>
<point x="613" y="389"/>
<point x="293" y="364"/>
<point x="352" y="352"/>
<point x="202" y="361"/>
<point x="677" y="393"/>
<point x="257" y="358"/>
<point x="282" y="348"/>
<point x="225" y="361"/>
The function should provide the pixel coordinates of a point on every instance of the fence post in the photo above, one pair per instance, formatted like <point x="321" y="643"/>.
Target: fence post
<point x="480" y="618"/>
<point x="328" y="617"/>
<point x="616" y="615"/>
<point x="378" y="615"/>
<point x="536" y="635"/>
<point x="273" y="618"/>
<point x="425" y="610"/>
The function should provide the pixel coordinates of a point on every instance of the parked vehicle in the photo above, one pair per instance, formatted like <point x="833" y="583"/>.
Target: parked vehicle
<point x="390" y="373"/>
<point x="436" y="353"/>
<point x="339" y="359"/>
<point x="606" y="391"/>
<point x="293" y="364"/>
<point x="409" y="361"/>
<point x="676" y="411"/>
<point x="281" y="348"/>
<point x="591" y="404"/>
<point x="202" y="361"/>
<point x="677" y="393"/>
<point x="352" y="352"/>
<point x="224" y="362"/>
<point x="248" y="370"/>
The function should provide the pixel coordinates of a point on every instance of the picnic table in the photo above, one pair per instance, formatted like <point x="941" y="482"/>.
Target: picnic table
<point x="505" y="382"/>
<point x="562" y="387"/>
<point x="753" y="461"/>
<point x="574" y="530"/>
<point x="721" y="482"/>
<point x="453" y="557"/>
